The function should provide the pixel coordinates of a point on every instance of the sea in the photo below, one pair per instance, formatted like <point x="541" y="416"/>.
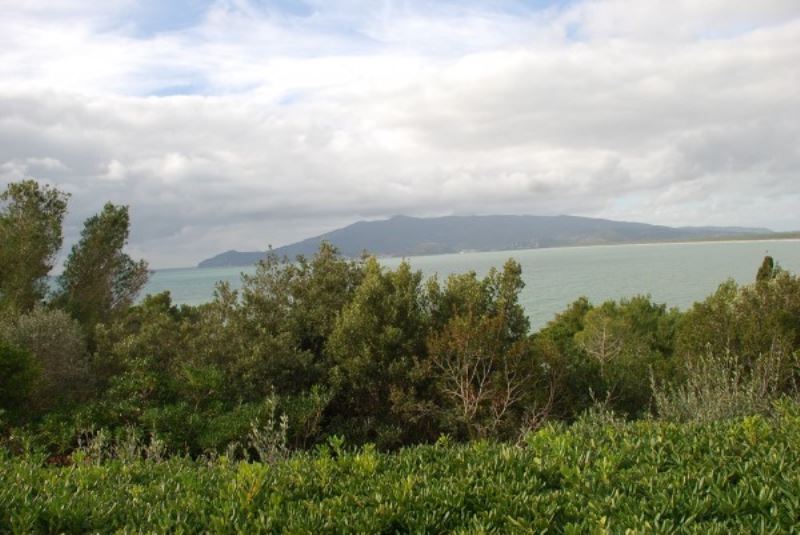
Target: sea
<point x="677" y="274"/>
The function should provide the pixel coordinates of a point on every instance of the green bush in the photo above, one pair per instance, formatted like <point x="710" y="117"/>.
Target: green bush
<point x="601" y="474"/>
<point x="18" y="373"/>
<point x="720" y="386"/>
<point x="57" y="346"/>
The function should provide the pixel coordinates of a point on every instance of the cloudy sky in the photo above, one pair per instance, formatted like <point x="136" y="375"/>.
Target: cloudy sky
<point x="234" y="124"/>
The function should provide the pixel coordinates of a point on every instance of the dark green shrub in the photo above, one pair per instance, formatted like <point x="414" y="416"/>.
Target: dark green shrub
<point x="18" y="374"/>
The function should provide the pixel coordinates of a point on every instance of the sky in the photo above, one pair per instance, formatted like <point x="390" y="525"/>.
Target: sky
<point x="238" y="124"/>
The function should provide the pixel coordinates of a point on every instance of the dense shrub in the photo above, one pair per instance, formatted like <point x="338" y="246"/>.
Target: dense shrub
<point x="373" y="347"/>
<point x="350" y="348"/>
<point x="719" y="387"/>
<point x="608" y="353"/>
<point x="353" y="349"/>
<point x="598" y="475"/>
<point x="58" y="348"/>
<point x="18" y="373"/>
<point x="748" y="321"/>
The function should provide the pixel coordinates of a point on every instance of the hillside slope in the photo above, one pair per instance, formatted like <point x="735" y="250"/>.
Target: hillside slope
<point x="408" y="236"/>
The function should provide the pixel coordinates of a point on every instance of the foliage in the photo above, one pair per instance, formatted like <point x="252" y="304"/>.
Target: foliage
<point x="99" y="280"/>
<point x="30" y="236"/>
<point x="719" y="477"/>
<point x="318" y="352"/>
<point x="572" y="373"/>
<point x="58" y="348"/>
<point x="484" y="376"/>
<point x="269" y="440"/>
<point x="608" y="352"/>
<point x="768" y="270"/>
<point x="18" y="373"/>
<point x="718" y="387"/>
<point x="286" y="314"/>
<point x="755" y="321"/>
<point x="373" y="347"/>
<point x="321" y="347"/>
<point x="352" y="349"/>
<point x="627" y="340"/>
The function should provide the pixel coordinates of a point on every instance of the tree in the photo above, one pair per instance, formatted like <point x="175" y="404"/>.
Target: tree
<point x="602" y="338"/>
<point x="288" y="310"/>
<point x="629" y="341"/>
<point x="99" y="279"/>
<point x="377" y="340"/>
<point x="30" y="236"/>
<point x="755" y="321"/>
<point x="480" y="349"/>
<point x="573" y="373"/>
<point x="483" y="376"/>
<point x="767" y="270"/>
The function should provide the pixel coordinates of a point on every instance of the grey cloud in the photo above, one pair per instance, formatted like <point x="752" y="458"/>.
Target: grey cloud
<point x="665" y="127"/>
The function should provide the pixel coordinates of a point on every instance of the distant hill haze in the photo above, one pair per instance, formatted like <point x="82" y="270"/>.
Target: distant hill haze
<point x="409" y="236"/>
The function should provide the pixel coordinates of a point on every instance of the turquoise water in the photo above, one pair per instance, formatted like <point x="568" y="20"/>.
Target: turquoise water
<point x="677" y="274"/>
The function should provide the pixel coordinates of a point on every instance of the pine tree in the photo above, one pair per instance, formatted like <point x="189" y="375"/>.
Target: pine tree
<point x="99" y="279"/>
<point x="30" y="236"/>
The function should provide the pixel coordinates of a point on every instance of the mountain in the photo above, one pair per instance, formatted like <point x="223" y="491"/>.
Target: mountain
<point x="408" y="236"/>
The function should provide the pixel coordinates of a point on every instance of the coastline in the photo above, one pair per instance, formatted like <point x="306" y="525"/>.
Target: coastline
<point x="783" y="236"/>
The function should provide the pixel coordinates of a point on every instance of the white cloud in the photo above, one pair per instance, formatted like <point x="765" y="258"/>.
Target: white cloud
<point x="116" y="171"/>
<point x="676" y="113"/>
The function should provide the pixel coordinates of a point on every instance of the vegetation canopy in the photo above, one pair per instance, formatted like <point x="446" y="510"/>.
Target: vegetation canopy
<point x="454" y="415"/>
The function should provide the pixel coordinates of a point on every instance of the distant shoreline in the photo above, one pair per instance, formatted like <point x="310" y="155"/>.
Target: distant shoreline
<point x="779" y="236"/>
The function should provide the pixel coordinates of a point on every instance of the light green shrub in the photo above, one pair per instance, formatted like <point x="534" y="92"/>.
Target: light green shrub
<point x="720" y="386"/>
<point x="600" y="475"/>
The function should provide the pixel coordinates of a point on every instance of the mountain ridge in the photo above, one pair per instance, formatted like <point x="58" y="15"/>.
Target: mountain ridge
<point x="403" y="235"/>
